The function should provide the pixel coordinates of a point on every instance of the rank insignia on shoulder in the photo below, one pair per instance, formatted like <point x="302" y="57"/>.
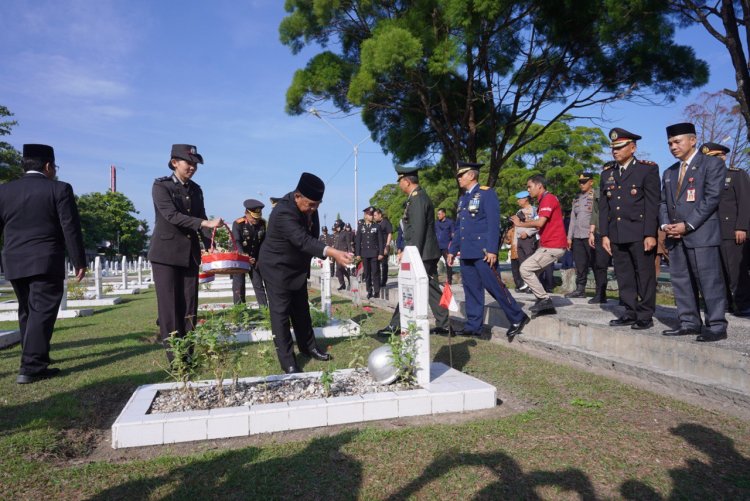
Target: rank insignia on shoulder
<point x="239" y="219"/>
<point x="609" y="165"/>
<point x="414" y="193"/>
<point x="733" y="168"/>
<point x="648" y="162"/>
<point x="484" y="188"/>
<point x="160" y="179"/>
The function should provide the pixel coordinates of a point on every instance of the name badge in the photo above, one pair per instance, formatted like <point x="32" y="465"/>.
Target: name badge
<point x="690" y="195"/>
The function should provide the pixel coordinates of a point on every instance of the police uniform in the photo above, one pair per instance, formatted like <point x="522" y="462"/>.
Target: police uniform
<point x="477" y="233"/>
<point x="418" y="230"/>
<point x="39" y="221"/>
<point x="628" y="213"/>
<point x="578" y="235"/>
<point x="690" y="195"/>
<point x="174" y="250"/>
<point x="342" y="240"/>
<point x="249" y="237"/>
<point x="369" y="245"/>
<point x="387" y="228"/>
<point x="734" y="216"/>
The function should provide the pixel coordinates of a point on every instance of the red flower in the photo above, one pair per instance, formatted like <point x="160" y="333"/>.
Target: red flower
<point x="367" y="309"/>
<point x="201" y="321"/>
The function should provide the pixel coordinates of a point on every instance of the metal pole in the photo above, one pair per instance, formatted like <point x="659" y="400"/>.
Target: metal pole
<point x="356" y="186"/>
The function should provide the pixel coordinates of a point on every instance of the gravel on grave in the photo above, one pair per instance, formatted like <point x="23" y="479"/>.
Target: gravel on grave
<point x="356" y="382"/>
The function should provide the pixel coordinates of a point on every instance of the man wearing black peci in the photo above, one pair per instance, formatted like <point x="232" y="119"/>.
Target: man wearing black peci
<point x="39" y="220"/>
<point x="284" y="260"/>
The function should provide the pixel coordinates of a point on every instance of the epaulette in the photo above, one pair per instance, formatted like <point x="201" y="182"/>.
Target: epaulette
<point x="239" y="219"/>
<point x="484" y="188"/>
<point x="648" y="162"/>
<point x="414" y="193"/>
<point x="160" y="179"/>
<point x="608" y="165"/>
<point x="734" y="168"/>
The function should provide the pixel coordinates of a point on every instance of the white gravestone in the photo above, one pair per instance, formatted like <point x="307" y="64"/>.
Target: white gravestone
<point x="325" y="288"/>
<point x="413" y="292"/>
<point x="139" y="268"/>
<point x="124" y="273"/>
<point x="98" y="277"/>
<point x="354" y="288"/>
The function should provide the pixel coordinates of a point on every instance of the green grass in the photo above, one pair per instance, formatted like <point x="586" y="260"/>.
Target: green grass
<point x="568" y="434"/>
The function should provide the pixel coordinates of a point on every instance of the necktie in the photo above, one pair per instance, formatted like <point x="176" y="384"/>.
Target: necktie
<point x="683" y="168"/>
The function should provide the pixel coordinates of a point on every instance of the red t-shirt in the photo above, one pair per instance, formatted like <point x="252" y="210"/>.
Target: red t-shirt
<point x="552" y="234"/>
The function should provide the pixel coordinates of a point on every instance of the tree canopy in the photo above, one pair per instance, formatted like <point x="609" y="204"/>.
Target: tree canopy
<point x="109" y="224"/>
<point x="10" y="158"/>
<point x="456" y="78"/>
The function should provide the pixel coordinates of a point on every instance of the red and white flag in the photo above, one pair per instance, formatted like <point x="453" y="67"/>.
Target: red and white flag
<point x="447" y="300"/>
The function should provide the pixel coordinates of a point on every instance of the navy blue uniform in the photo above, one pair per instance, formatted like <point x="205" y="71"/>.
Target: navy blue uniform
<point x="477" y="233"/>
<point x="444" y="231"/>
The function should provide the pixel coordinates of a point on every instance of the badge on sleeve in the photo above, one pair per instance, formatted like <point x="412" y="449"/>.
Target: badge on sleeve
<point x="690" y="195"/>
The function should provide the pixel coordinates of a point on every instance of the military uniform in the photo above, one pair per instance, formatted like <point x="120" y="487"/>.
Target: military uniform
<point x="174" y="250"/>
<point x="369" y="245"/>
<point x="477" y="233"/>
<point x="628" y="213"/>
<point x="249" y="237"/>
<point x="734" y="216"/>
<point x="418" y="230"/>
<point x="578" y="236"/>
<point x="387" y="228"/>
<point x="342" y="240"/>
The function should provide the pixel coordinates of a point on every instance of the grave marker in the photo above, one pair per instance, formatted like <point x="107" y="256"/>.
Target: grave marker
<point x="413" y="292"/>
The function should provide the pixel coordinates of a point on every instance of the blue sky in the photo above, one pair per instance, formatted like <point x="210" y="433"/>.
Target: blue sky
<point x="108" y="82"/>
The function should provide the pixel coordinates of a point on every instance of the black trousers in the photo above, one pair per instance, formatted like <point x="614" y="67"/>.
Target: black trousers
<point x="584" y="258"/>
<point x="39" y="298"/>
<point x="735" y="260"/>
<point x="636" y="279"/>
<point x="384" y="271"/>
<point x="238" y="287"/>
<point x="601" y="264"/>
<point x="285" y="305"/>
<point x="341" y="273"/>
<point x="371" y="271"/>
<point x="448" y="269"/>
<point x="176" y="300"/>
<point x="440" y="313"/>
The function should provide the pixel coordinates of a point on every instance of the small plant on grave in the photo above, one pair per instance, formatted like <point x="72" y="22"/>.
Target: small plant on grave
<point x="186" y="363"/>
<point x="318" y="317"/>
<point x="266" y="359"/>
<point x="265" y="318"/>
<point x="238" y="315"/>
<point x="326" y="378"/>
<point x="213" y="346"/>
<point x="404" y="352"/>
<point x="76" y="289"/>
<point x="357" y="342"/>
<point x="107" y="289"/>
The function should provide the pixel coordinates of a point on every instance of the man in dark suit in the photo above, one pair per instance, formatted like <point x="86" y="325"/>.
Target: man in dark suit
<point x="387" y="229"/>
<point x="691" y="189"/>
<point x="628" y="223"/>
<point x="174" y="252"/>
<point x="39" y="218"/>
<point x="249" y="232"/>
<point x="369" y="243"/>
<point x="284" y="260"/>
<point x="418" y="229"/>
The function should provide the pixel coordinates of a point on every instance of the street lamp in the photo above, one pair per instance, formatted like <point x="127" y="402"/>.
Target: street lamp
<point x="355" y="147"/>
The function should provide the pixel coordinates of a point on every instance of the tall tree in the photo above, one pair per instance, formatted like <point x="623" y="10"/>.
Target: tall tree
<point x="726" y="21"/>
<point x="10" y="158"/>
<point x="717" y="118"/>
<point x="109" y="217"/>
<point x="456" y="77"/>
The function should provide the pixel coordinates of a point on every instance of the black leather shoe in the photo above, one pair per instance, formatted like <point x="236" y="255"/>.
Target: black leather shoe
<point x="542" y="305"/>
<point x="292" y="369"/>
<point x="386" y="331"/>
<point x="711" y="336"/>
<point x="680" y="332"/>
<point x="341" y="287"/>
<point x="439" y="330"/>
<point x="33" y="378"/>
<point x="598" y="300"/>
<point x="640" y="325"/>
<point x="576" y="293"/>
<point x="369" y="295"/>
<point x="619" y="322"/>
<point x="469" y="334"/>
<point x="516" y="329"/>
<point x="319" y="355"/>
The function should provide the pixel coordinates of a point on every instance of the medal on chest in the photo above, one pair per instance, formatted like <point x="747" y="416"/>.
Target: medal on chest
<point x="690" y="194"/>
<point x="474" y="204"/>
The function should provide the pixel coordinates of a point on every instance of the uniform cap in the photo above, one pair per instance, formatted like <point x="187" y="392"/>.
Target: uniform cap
<point x="403" y="170"/>
<point x="254" y="207"/>
<point x="522" y="194"/>
<point x="713" y="149"/>
<point x="186" y="152"/>
<point x="274" y="201"/>
<point x="324" y="228"/>
<point x="311" y="186"/>
<point x="369" y="210"/>
<point x="680" y="129"/>
<point x="462" y="167"/>
<point x="585" y="176"/>
<point x="621" y="137"/>
<point x="39" y="151"/>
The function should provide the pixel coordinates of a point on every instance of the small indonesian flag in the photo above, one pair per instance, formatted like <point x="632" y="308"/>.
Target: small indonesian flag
<point x="447" y="300"/>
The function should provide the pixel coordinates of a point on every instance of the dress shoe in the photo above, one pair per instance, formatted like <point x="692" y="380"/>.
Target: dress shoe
<point x="640" y="325"/>
<point x="319" y="355"/>
<point x="341" y="287"/>
<point x="439" y="330"/>
<point x="386" y="331"/>
<point x="524" y="288"/>
<point x="742" y="312"/>
<point x="575" y="294"/>
<point x="466" y="333"/>
<point x="33" y="378"/>
<point x="369" y="295"/>
<point x="680" y="332"/>
<point x="542" y="305"/>
<point x="516" y="329"/>
<point x="292" y="369"/>
<point x="598" y="300"/>
<point x="711" y="336"/>
<point x="619" y="322"/>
